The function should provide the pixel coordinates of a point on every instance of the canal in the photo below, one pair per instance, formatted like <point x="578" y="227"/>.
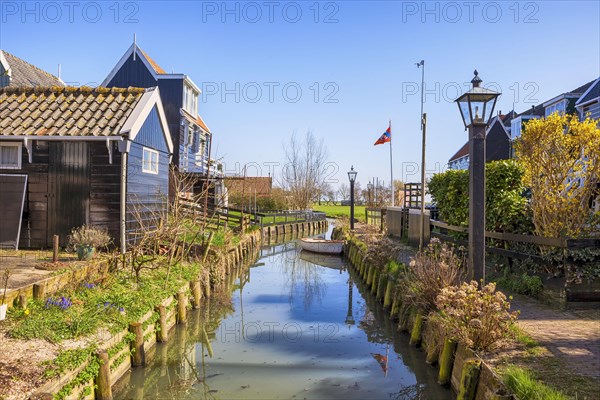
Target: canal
<point x="296" y="326"/>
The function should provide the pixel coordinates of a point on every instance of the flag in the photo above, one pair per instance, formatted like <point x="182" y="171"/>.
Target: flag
<point x="386" y="137"/>
<point x="382" y="360"/>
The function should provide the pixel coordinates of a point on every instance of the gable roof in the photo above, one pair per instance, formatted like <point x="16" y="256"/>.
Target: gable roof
<point x="66" y="111"/>
<point x="195" y="120"/>
<point x="593" y="92"/>
<point x="153" y="63"/>
<point x="463" y="151"/>
<point x="24" y="74"/>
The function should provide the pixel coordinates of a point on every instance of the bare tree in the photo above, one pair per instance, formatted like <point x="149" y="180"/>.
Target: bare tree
<point x="305" y="169"/>
<point x="343" y="192"/>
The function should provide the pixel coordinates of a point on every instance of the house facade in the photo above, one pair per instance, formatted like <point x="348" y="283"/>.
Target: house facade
<point x="190" y="135"/>
<point x="497" y="143"/>
<point x="75" y="156"/>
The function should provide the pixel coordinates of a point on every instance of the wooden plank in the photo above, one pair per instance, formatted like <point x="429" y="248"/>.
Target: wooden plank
<point x="513" y="237"/>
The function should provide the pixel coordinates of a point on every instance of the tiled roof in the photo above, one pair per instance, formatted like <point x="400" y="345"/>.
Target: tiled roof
<point x="200" y="122"/>
<point x="67" y="111"/>
<point x="25" y="74"/>
<point x="156" y="67"/>
<point x="195" y="120"/>
<point x="464" y="151"/>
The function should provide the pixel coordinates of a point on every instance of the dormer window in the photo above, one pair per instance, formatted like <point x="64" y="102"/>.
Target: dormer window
<point x="559" y="107"/>
<point x="190" y="99"/>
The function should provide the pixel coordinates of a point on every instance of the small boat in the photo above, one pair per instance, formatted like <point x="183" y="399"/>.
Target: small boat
<point x="322" y="246"/>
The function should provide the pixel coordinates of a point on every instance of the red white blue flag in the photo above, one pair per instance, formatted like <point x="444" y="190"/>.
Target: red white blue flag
<point x="386" y="137"/>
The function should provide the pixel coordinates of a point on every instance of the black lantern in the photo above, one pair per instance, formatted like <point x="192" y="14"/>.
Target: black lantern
<point x="352" y="177"/>
<point x="352" y="174"/>
<point x="477" y="105"/>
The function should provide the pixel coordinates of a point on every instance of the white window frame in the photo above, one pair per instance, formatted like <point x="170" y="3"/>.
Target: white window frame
<point x="150" y="166"/>
<point x="19" y="146"/>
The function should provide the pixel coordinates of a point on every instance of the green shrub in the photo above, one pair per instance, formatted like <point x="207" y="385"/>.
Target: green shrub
<point x="506" y="206"/>
<point x="526" y="387"/>
<point x="530" y="285"/>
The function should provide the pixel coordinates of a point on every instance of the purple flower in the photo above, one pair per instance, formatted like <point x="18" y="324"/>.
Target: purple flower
<point x="89" y="285"/>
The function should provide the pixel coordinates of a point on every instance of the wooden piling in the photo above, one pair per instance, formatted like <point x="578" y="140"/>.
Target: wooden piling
<point x="415" y="335"/>
<point x="181" y="307"/>
<point x="39" y="291"/>
<point x="389" y="289"/>
<point x="55" y="241"/>
<point x="138" y="357"/>
<point x="446" y="361"/>
<point x="196" y="289"/>
<point x="468" y="379"/>
<point x="103" y="384"/>
<point x="163" y="330"/>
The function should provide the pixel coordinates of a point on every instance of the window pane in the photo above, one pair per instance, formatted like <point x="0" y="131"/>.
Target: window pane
<point x="9" y="155"/>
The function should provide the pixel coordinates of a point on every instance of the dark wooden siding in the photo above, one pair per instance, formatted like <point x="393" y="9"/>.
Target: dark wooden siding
<point x="171" y="95"/>
<point x="146" y="192"/>
<point x="105" y="189"/>
<point x="35" y="210"/>
<point x="133" y="73"/>
<point x="497" y="144"/>
<point x="68" y="188"/>
<point x="136" y="74"/>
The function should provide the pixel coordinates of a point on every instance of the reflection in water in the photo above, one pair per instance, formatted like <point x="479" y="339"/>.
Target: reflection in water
<point x="292" y="329"/>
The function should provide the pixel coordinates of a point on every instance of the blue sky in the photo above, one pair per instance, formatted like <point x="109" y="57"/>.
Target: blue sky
<point x="353" y="61"/>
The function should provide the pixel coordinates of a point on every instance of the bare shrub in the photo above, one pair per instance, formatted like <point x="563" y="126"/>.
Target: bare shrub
<point x="478" y="318"/>
<point x="431" y="270"/>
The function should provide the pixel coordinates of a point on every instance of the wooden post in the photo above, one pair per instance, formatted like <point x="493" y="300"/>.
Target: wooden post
<point x="163" y="331"/>
<point x="23" y="301"/>
<point x="468" y="379"/>
<point x="181" y="307"/>
<point x="415" y="335"/>
<point x="196" y="292"/>
<point x="387" y="299"/>
<point x="103" y="385"/>
<point x="55" y="240"/>
<point x="446" y="361"/>
<point x="39" y="291"/>
<point x="138" y="358"/>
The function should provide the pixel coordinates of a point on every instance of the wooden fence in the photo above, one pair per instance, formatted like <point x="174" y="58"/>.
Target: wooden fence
<point x="242" y="219"/>
<point x="375" y="216"/>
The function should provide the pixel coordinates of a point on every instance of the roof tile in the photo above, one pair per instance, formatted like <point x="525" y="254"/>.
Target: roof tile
<point x="65" y="111"/>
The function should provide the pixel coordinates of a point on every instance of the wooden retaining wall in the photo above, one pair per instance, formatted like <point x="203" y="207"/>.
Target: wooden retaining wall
<point x="45" y="287"/>
<point x="272" y="233"/>
<point x="459" y="368"/>
<point x="129" y="347"/>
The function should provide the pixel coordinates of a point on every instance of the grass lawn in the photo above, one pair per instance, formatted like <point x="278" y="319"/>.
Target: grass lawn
<point x="340" y="211"/>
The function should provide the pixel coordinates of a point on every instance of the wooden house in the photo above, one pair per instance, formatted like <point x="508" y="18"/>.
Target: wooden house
<point x="497" y="143"/>
<point x="74" y="156"/>
<point x="190" y="135"/>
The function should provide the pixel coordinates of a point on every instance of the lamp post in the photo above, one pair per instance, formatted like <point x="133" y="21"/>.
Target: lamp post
<point x="370" y="190"/>
<point x="352" y="177"/>
<point x="476" y="108"/>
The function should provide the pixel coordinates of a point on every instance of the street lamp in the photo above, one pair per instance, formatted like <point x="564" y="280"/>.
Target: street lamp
<point x="352" y="176"/>
<point x="476" y="108"/>
<point x="370" y="190"/>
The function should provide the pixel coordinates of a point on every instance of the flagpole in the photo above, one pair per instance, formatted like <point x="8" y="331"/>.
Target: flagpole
<point x="392" y="168"/>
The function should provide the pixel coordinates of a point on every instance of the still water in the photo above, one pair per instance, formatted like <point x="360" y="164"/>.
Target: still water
<point x="295" y="327"/>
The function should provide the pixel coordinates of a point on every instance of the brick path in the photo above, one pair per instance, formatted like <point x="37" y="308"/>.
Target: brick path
<point x="572" y="336"/>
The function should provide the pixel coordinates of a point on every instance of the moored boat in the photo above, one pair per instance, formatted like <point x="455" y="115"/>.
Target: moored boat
<point x="322" y="246"/>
